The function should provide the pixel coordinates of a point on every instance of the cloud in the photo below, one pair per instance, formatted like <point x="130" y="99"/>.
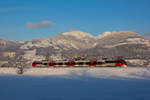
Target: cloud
<point x="39" y="25"/>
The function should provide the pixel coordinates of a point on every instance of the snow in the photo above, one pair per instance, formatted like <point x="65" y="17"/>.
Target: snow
<point x="111" y="73"/>
<point x="75" y="84"/>
<point x="42" y="42"/>
<point x="131" y="41"/>
<point x="138" y="41"/>
<point x="104" y="35"/>
<point x="111" y="46"/>
<point x="116" y="33"/>
<point x="66" y="43"/>
<point x="79" y="34"/>
<point x="137" y="61"/>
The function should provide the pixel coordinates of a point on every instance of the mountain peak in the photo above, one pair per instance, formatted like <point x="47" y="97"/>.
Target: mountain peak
<point x="78" y="34"/>
<point x="122" y="33"/>
<point x="104" y="34"/>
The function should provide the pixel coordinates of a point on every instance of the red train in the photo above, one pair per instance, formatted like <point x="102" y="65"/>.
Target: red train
<point x="81" y="63"/>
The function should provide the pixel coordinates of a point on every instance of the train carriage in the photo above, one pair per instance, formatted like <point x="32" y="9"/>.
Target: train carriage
<point x="81" y="63"/>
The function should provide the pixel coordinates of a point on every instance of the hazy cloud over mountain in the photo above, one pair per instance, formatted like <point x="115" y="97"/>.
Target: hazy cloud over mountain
<point x="39" y="25"/>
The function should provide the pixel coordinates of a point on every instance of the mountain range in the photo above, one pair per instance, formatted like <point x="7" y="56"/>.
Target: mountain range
<point x="126" y="44"/>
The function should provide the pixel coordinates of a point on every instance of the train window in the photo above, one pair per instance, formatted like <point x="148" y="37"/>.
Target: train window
<point x="59" y="63"/>
<point x="34" y="63"/>
<point x="113" y="62"/>
<point x="93" y="63"/>
<point x="109" y="62"/>
<point x="37" y="62"/>
<point x="118" y="62"/>
<point x="66" y="63"/>
<point x="44" y="63"/>
<point x="88" y="63"/>
<point x="52" y="63"/>
<point x="99" y="63"/>
<point x="69" y="63"/>
<point x="80" y="63"/>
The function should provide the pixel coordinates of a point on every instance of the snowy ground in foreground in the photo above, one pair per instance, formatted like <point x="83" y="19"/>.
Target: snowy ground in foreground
<point x="121" y="73"/>
<point x="75" y="84"/>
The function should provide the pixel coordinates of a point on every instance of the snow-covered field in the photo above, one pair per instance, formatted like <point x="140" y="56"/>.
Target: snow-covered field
<point x="113" y="73"/>
<point x="75" y="84"/>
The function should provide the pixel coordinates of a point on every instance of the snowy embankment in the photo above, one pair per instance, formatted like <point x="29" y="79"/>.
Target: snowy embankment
<point x="115" y="73"/>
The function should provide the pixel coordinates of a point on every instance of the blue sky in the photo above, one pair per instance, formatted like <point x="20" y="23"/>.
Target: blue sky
<point x="29" y="19"/>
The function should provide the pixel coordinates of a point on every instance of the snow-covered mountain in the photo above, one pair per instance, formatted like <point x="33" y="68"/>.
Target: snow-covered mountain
<point x="78" y="40"/>
<point x="122" y="43"/>
<point x="66" y="41"/>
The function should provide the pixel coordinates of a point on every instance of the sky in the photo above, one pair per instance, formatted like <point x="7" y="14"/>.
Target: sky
<point x="30" y="19"/>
